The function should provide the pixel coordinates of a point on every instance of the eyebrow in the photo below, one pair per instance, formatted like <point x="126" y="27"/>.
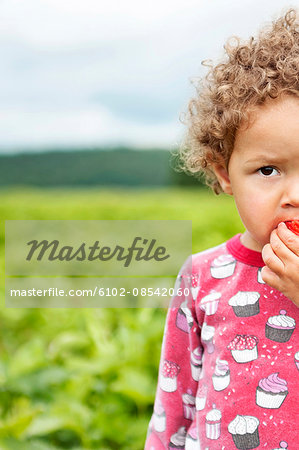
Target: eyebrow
<point x="265" y="159"/>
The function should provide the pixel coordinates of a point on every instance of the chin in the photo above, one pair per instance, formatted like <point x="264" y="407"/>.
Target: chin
<point x="263" y="241"/>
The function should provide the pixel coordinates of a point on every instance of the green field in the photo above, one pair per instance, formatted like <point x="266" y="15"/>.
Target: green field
<point x="86" y="378"/>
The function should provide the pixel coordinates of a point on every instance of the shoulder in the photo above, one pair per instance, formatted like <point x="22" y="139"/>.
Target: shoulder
<point x="217" y="254"/>
<point x="216" y="261"/>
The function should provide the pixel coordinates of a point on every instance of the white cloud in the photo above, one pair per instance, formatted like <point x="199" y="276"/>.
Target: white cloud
<point x="90" y="127"/>
<point x="75" y="72"/>
<point x="51" y="23"/>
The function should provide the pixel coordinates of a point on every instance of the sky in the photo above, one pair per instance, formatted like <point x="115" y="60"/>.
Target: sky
<point x="101" y="73"/>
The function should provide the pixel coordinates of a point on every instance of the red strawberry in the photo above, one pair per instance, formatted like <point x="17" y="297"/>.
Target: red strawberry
<point x="293" y="225"/>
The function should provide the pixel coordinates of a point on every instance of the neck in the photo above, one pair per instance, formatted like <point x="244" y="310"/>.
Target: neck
<point x="248" y="241"/>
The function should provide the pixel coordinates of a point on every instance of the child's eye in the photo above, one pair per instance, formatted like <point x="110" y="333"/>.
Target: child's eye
<point x="268" y="171"/>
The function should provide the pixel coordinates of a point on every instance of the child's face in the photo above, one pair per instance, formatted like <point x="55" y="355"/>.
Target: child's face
<point x="263" y="171"/>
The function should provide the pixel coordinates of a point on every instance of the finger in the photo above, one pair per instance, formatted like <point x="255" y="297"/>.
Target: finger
<point x="271" y="260"/>
<point x="271" y="278"/>
<point x="279" y="247"/>
<point x="290" y="239"/>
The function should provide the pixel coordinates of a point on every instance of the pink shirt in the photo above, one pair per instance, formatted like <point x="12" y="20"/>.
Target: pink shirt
<point x="229" y="369"/>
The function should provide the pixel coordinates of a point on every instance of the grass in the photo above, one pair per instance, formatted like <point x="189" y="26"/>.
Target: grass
<point x="86" y="378"/>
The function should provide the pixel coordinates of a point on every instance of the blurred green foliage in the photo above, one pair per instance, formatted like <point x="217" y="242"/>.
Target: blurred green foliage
<point x="86" y="378"/>
<point x="86" y="167"/>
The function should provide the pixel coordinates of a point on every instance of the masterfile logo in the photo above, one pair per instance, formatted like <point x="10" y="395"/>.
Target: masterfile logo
<point x="58" y="260"/>
<point x="96" y="247"/>
<point x="146" y="250"/>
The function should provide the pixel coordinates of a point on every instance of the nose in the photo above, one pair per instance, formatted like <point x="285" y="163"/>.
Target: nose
<point x="290" y="197"/>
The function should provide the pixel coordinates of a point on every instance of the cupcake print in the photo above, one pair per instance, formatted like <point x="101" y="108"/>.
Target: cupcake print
<point x="153" y="441"/>
<point x="259" y="276"/>
<point x="282" y="446"/>
<point x="210" y="303"/>
<point x="271" y="391"/>
<point x="181" y="282"/>
<point x="213" y="423"/>
<point x="297" y="360"/>
<point x="159" y="417"/>
<point x="280" y="328"/>
<point x="245" y="303"/>
<point x="201" y="397"/>
<point x="177" y="284"/>
<point x="177" y="440"/>
<point x="194" y="285"/>
<point x="184" y="319"/>
<point x="207" y="335"/>
<point x="244" y="431"/>
<point x="188" y="404"/>
<point x="192" y="442"/>
<point x="168" y="379"/>
<point x="243" y="348"/>
<point x="221" y="376"/>
<point x="196" y="363"/>
<point x="223" y="266"/>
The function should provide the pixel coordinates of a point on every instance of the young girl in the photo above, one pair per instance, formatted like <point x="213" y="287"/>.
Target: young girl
<point x="229" y="370"/>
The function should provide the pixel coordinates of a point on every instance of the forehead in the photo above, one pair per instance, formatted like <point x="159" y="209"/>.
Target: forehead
<point x="273" y="127"/>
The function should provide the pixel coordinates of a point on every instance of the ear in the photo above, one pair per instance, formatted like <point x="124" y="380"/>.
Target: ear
<point x="223" y="178"/>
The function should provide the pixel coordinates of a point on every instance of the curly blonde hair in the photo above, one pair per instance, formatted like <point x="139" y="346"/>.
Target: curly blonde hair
<point x="252" y="72"/>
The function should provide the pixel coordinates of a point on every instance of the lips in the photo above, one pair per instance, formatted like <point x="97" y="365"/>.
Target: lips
<point x="293" y="225"/>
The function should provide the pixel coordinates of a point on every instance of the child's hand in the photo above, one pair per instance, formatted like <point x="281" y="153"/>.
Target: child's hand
<point x="281" y="257"/>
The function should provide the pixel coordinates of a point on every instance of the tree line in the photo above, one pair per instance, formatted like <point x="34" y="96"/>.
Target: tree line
<point x="90" y="167"/>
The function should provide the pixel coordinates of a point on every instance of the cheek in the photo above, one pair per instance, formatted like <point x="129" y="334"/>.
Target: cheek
<point x="256" y="212"/>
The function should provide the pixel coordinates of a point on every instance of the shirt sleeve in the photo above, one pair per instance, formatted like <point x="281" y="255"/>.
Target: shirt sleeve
<point x="179" y="369"/>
